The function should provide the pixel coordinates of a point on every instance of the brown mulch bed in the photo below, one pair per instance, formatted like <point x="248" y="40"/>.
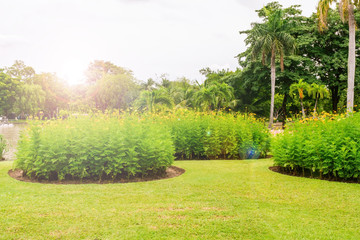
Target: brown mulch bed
<point x="282" y="170"/>
<point x="171" y="172"/>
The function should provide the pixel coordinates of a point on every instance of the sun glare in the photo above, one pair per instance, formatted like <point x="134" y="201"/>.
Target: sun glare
<point x="73" y="72"/>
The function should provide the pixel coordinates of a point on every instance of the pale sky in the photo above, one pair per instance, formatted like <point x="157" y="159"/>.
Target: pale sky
<point x="150" y="37"/>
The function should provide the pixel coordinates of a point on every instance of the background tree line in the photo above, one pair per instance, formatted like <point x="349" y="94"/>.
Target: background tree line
<point x="318" y="59"/>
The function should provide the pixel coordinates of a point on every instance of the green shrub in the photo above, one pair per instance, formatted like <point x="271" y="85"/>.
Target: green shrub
<point x="216" y="135"/>
<point x="95" y="147"/>
<point x="327" y="148"/>
<point x="125" y="145"/>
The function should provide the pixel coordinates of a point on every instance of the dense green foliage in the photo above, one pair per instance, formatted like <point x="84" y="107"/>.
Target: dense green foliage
<point x="217" y="135"/>
<point x="319" y="58"/>
<point x="94" y="147"/>
<point x="325" y="148"/>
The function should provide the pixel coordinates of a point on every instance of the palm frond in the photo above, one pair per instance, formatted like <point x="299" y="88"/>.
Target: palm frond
<point x="322" y="13"/>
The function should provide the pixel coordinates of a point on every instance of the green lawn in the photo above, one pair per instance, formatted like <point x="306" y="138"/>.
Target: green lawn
<point x="212" y="200"/>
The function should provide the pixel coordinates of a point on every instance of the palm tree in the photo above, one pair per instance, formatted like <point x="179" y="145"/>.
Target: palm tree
<point x="184" y="98"/>
<point x="271" y="38"/>
<point x="151" y="100"/>
<point x="204" y="98"/>
<point x="300" y="87"/>
<point x="214" y="96"/>
<point x="149" y="84"/>
<point x="224" y="94"/>
<point x="317" y="92"/>
<point x="346" y="8"/>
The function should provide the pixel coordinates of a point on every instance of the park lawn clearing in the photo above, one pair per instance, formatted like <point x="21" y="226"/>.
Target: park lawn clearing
<point x="222" y="199"/>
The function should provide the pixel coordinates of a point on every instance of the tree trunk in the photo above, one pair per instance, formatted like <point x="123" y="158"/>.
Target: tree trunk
<point x="302" y="109"/>
<point x="272" y="88"/>
<point x="283" y="107"/>
<point x="316" y="101"/>
<point x="335" y="97"/>
<point x="351" y="60"/>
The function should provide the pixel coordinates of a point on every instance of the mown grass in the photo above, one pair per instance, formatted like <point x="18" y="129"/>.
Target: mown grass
<point x="212" y="200"/>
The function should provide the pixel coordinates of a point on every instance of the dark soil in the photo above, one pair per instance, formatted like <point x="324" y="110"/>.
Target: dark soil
<point x="170" y="173"/>
<point x="284" y="171"/>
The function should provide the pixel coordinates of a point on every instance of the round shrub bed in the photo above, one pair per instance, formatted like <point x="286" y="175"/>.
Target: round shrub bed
<point x="97" y="148"/>
<point x="327" y="148"/>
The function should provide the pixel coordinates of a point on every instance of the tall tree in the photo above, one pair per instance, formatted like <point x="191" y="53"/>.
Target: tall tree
<point x="328" y="51"/>
<point x="346" y="9"/>
<point x="100" y="68"/>
<point x="8" y="91"/>
<point x="29" y="99"/>
<point x="21" y="72"/>
<point x="57" y="94"/>
<point x="270" y="39"/>
<point x="114" y="91"/>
